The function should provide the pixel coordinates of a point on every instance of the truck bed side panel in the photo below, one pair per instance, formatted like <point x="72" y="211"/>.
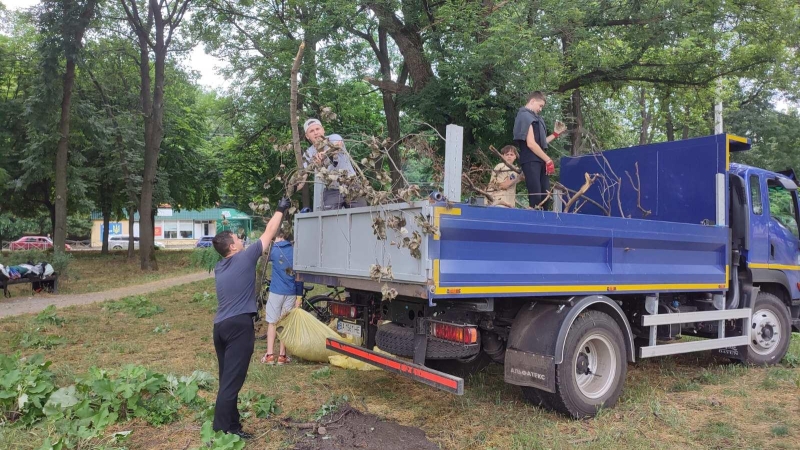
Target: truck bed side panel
<point x="497" y="251"/>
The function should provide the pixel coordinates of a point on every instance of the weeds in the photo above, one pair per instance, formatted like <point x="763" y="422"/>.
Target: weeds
<point x="220" y="440"/>
<point x="140" y="306"/>
<point x="48" y="316"/>
<point x="205" y="299"/>
<point x="35" y="339"/>
<point x="322" y="373"/>
<point x="162" y="329"/>
<point x="331" y="406"/>
<point x="685" y="386"/>
<point x="780" y="430"/>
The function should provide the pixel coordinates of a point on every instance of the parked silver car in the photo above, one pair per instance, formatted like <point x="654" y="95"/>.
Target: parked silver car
<point x="121" y="243"/>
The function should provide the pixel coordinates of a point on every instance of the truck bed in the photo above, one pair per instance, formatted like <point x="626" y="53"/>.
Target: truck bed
<point x="494" y="252"/>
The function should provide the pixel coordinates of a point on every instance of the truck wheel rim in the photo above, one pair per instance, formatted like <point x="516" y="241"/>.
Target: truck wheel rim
<point x="765" y="332"/>
<point x="595" y="366"/>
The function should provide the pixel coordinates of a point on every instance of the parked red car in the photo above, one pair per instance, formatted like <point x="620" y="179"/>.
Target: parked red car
<point x="34" y="243"/>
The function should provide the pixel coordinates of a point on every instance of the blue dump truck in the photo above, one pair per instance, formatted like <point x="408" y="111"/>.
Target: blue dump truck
<point x="670" y="249"/>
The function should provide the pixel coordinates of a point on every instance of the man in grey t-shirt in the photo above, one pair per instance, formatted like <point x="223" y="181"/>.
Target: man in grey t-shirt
<point x="234" y="335"/>
<point x="331" y="197"/>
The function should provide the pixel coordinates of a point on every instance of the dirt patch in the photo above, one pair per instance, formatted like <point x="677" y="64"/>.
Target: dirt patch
<point x="348" y="428"/>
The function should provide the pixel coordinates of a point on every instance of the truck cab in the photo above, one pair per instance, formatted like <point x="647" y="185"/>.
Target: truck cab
<point x="771" y="249"/>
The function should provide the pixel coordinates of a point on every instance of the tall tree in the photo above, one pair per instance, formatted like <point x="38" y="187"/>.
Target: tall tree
<point x="155" y="29"/>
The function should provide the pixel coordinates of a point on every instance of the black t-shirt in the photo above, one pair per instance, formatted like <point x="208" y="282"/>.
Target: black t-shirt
<point x="524" y="120"/>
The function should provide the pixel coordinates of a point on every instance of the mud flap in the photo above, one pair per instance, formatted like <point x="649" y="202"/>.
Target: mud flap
<point x="738" y="353"/>
<point x="530" y="369"/>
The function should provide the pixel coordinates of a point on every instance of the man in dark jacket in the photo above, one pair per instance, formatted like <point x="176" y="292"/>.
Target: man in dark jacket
<point x="234" y="334"/>
<point x="531" y="137"/>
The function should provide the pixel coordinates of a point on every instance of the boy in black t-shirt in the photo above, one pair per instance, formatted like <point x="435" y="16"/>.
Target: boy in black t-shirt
<point x="531" y="137"/>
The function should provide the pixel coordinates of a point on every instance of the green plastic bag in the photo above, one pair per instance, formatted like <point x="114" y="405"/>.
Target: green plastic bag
<point x="304" y="336"/>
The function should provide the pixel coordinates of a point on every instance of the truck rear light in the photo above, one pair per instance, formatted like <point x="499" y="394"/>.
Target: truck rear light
<point x="343" y="310"/>
<point x="454" y="333"/>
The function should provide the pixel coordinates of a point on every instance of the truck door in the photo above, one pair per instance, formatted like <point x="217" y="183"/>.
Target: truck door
<point x="784" y="238"/>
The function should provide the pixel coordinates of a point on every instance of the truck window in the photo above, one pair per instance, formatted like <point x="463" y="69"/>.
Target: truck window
<point x="755" y="195"/>
<point x="781" y="208"/>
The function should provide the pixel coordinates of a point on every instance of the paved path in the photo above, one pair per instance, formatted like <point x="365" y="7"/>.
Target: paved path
<point x="24" y="305"/>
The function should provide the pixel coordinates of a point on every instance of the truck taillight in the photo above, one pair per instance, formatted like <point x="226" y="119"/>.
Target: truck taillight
<point x="454" y="333"/>
<point x="343" y="310"/>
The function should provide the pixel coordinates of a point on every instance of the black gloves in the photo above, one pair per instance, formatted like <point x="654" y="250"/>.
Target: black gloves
<point x="284" y="204"/>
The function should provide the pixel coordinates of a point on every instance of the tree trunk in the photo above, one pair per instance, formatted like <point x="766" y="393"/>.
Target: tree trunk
<point x="686" y="124"/>
<point x="131" y="226"/>
<point x="62" y="152"/>
<point x="152" y="149"/>
<point x="409" y="41"/>
<point x="576" y="134"/>
<point x="62" y="157"/>
<point x="646" y="117"/>
<point x="393" y="126"/>
<point x="106" y="231"/>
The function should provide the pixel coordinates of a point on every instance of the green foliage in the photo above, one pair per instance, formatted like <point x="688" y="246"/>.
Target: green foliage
<point x="139" y="305"/>
<point x="25" y="385"/>
<point x="258" y="404"/>
<point x="78" y="415"/>
<point x="206" y="300"/>
<point x="322" y="373"/>
<point x="33" y="338"/>
<point x="162" y="329"/>
<point x="48" y="316"/>
<point x="331" y="406"/>
<point x="205" y="258"/>
<point x="61" y="262"/>
<point x="220" y="440"/>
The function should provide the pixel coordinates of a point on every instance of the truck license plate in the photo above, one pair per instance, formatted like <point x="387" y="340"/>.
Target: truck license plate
<point x="348" y="328"/>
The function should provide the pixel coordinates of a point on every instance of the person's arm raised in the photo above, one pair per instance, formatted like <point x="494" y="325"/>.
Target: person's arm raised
<point x="274" y="223"/>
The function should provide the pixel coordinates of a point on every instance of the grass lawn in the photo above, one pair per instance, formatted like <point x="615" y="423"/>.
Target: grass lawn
<point x="93" y="272"/>
<point x="689" y="401"/>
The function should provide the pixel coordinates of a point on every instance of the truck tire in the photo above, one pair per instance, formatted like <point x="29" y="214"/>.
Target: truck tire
<point x="594" y="368"/>
<point x="770" y="331"/>
<point x="399" y="341"/>
<point x="464" y="367"/>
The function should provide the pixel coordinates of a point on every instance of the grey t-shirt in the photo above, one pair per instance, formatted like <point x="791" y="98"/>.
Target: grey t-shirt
<point x="236" y="283"/>
<point x="341" y="161"/>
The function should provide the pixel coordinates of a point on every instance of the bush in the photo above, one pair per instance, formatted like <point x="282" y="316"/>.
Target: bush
<point x="205" y="258"/>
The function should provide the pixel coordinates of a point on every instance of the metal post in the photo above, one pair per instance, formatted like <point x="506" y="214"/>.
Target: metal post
<point x="318" y="187"/>
<point x="721" y="199"/>
<point x="454" y="148"/>
<point x="651" y="306"/>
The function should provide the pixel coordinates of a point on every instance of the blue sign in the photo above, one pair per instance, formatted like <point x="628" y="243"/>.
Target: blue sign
<point x="114" y="229"/>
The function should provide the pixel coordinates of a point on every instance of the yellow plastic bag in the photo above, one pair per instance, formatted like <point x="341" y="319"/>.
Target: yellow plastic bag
<point x="304" y="336"/>
<point x="347" y="362"/>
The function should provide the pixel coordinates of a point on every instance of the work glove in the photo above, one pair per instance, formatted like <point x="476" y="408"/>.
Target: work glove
<point x="550" y="168"/>
<point x="284" y="204"/>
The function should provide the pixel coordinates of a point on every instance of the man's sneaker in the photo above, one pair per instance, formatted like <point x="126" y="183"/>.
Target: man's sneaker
<point x="269" y="360"/>
<point x="284" y="359"/>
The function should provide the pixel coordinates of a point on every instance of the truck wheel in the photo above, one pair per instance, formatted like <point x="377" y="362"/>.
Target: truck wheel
<point x="536" y="397"/>
<point x="770" y="331"/>
<point x="594" y="368"/>
<point x="463" y="367"/>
